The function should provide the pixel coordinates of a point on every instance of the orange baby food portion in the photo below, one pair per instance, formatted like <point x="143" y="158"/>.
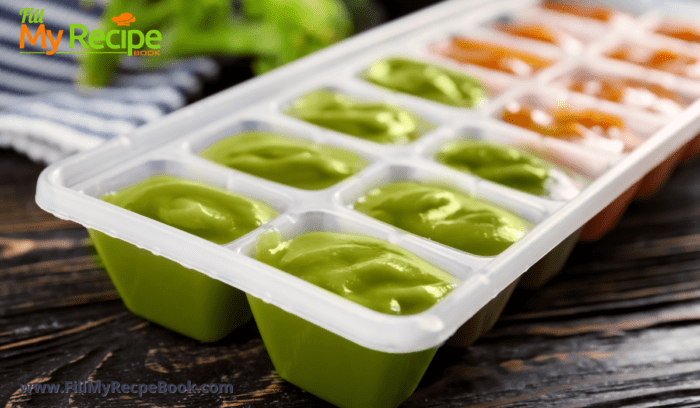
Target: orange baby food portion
<point x="661" y="59"/>
<point x="680" y="31"/>
<point x="628" y="91"/>
<point x="581" y="9"/>
<point x="570" y="124"/>
<point x="493" y="56"/>
<point x="533" y="31"/>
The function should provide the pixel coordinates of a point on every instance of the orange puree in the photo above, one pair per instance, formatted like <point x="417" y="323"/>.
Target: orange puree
<point x="682" y="32"/>
<point x="664" y="60"/>
<point x="583" y="9"/>
<point x="493" y="56"/>
<point x="533" y="31"/>
<point x="570" y="124"/>
<point x="627" y="91"/>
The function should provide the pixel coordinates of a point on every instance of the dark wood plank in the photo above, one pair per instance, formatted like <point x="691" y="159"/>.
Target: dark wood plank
<point x="620" y="326"/>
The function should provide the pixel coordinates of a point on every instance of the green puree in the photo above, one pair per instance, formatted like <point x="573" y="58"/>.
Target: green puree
<point x="368" y="271"/>
<point x="501" y="164"/>
<point x="446" y="216"/>
<point x="164" y="291"/>
<point x="374" y="121"/>
<point x="427" y="81"/>
<point x="293" y="162"/>
<point x="204" y="211"/>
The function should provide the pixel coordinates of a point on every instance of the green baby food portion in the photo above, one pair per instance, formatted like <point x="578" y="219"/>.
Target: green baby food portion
<point x="375" y="121"/>
<point x="368" y="271"/>
<point x="333" y="368"/>
<point x="293" y="162"/>
<point x="169" y="294"/>
<point x="427" y="81"/>
<point x="215" y="215"/>
<point x="501" y="164"/>
<point x="446" y="216"/>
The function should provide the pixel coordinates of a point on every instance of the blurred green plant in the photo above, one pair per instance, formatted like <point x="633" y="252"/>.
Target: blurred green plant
<point x="274" y="32"/>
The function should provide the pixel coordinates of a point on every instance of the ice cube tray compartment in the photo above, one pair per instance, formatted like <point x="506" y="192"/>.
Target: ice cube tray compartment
<point x="242" y="184"/>
<point x="658" y="24"/>
<point x="494" y="83"/>
<point x="350" y="223"/>
<point x="531" y="208"/>
<point x="646" y="43"/>
<point x="547" y="56"/>
<point x="431" y="119"/>
<point x="568" y="39"/>
<point x="565" y="182"/>
<point x="640" y="125"/>
<point x="397" y="327"/>
<point x="624" y="14"/>
<point x="686" y="93"/>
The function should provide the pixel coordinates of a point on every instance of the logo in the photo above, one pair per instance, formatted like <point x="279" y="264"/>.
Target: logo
<point x="33" y="16"/>
<point x="115" y="41"/>
<point x="124" y="19"/>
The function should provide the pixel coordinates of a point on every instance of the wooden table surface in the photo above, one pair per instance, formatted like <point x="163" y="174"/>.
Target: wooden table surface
<point x="620" y="326"/>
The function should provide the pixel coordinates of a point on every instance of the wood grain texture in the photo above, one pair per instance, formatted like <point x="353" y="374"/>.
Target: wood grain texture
<point x="620" y="326"/>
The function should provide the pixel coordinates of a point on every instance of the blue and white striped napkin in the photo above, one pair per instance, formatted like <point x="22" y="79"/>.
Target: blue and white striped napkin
<point x="45" y="115"/>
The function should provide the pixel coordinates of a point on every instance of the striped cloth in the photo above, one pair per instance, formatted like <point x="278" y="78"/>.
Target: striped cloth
<point x="45" y="115"/>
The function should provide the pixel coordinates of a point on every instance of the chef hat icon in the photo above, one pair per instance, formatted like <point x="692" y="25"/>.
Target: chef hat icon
<point x="124" y="19"/>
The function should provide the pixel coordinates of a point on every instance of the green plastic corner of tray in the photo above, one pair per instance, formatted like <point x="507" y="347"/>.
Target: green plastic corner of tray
<point x="169" y="294"/>
<point x="333" y="368"/>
